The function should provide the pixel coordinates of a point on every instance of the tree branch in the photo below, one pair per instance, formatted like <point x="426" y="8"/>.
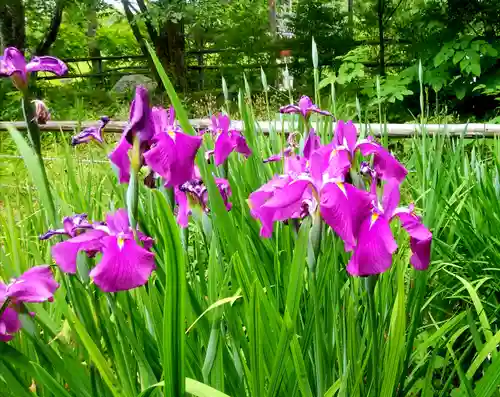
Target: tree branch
<point x="51" y="36"/>
<point x="153" y="35"/>
<point x="393" y="11"/>
<point x="140" y="40"/>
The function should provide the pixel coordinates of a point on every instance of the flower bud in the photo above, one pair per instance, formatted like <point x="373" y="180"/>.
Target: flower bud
<point x="42" y="114"/>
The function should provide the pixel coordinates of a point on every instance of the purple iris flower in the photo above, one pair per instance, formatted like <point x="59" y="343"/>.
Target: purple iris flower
<point x="13" y="65"/>
<point x="72" y="225"/>
<point x="375" y="243"/>
<point x="140" y="124"/>
<point x="172" y="152"/>
<point x="317" y="184"/>
<point x="36" y="285"/>
<point x="384" y="163"/>
<point x="91" y="133"/>
<point x="227" y="140"/>
<point x="124" y="263"/>
<point x="194" y="193"/>
<point x="305" y="107"/>
<point x="42" y="114"/>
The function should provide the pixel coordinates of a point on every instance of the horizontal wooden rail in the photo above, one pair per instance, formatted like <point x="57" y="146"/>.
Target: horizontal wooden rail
<point x="392" y="130"/>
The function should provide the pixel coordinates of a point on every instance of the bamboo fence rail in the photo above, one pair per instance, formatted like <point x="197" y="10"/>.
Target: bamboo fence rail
<point x="472" y="130"/>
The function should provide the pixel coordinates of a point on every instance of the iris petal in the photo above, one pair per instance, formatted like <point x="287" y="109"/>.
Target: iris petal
<point x="122" y="268"/>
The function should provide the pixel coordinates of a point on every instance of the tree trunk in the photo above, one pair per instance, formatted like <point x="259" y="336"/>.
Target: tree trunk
<point x="51" y="36"/>
<point x="94" y="50"/>
<point x="272" y="17"/>
<point x="350" y="12"/>
<point x="12" y="25"/>
<point x="176" y="51"/>
<point x="381" y="36"/>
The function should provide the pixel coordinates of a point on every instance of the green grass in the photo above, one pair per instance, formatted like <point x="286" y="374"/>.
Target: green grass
<point x="260" y="325"/>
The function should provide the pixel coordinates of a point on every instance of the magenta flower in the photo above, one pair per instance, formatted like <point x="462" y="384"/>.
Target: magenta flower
<point x="120" y="158"/>
<point x="164" y="147"/>
<point x="305" y="108"/>
<point x="194" y="193"/>
<point x="140" y="124"/>
<point x="311" y="144"/>
<point x="384" y="163"/>
<point x="226" y="140"/>
<point x="375" y="242"/>
<point x="36" y="285"/>
<point x="91" y="133"/>
<point x="172" y="153"/>
<point x="309" y="186"/>
<point x="13" y="65"/>
<point x="72" y="225"/>
<point x="140" y="117"/>
<point x="124" y="263"/>
<point x="9" y="324"/>
<point x="345" y="135"/>
<point x="42" y="114"/>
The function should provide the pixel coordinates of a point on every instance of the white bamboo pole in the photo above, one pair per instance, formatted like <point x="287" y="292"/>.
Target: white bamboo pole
<point x="471" y="130"/>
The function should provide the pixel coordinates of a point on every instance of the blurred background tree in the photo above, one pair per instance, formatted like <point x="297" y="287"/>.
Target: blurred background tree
<point x="199" y="41"/>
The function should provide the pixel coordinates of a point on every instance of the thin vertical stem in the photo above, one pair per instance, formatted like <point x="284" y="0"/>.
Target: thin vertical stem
<point x="421" y="281"/>
<point x="381" y="36"/>
<point x="318" y="339"/>
<point x="372" y="309"/>
<point x="133" y="187"/>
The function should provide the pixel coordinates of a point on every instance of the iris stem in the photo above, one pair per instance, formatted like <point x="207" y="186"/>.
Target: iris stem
<point x="30" y="119"/>
<point x="421" y="281"/>
<point x="4" y="306"/>
<point x="35" y="142"/>
<point x="318" y="342"/>
<point x="370" y="282"/>
<point x="133" y="186"/>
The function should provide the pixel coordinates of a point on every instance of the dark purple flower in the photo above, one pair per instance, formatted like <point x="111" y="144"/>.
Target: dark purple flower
<point x="305" y="108"/>
<point x="13" y="65"/>
<point x="42" y="114"/>
<point x="72" y="225"/>
<point x="227" y="140"/>
<point x="36" y="285"/>
<point x="194" y="193"/>
<point x="124" y="263"/>
<point x="375" y="242"/>
<point x="140" y="118"/>
<point x="141" y="124"/>
<point x="91" y="133"/>
<point x="164" y="147"/>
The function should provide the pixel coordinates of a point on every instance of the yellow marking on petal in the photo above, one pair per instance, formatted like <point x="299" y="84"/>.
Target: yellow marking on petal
<point x="308" y="164"/>
<point x="341" y="187"/>
<point x="375" y="216"/>
<point x="333" y="154"/>
<point x="171" y="133"/>
<point x="250" y="205"/>
<point x="121" y="242"/>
